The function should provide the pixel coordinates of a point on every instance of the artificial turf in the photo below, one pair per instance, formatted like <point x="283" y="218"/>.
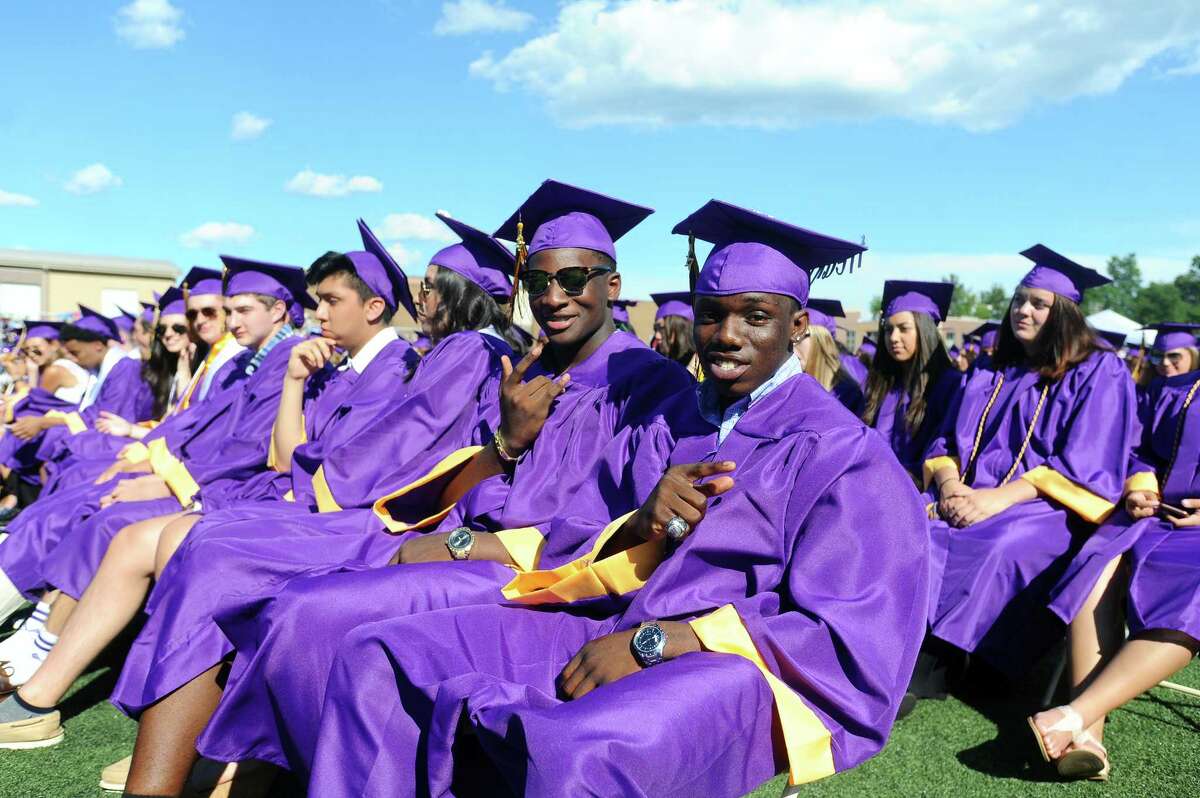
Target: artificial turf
<point x="966" y="746"/>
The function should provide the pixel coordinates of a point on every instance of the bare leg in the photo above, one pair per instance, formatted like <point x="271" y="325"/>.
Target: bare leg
<point x="1142" y="663"/>
<point x="1096" y="634"/>
<point x="61" y="608"/>
<point x="110" y="602"/>
<point x="172" y="536"/>
<point x="166" y="742"/>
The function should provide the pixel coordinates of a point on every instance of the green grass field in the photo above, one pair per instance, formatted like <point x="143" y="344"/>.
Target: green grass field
<point x="945" y="748"/>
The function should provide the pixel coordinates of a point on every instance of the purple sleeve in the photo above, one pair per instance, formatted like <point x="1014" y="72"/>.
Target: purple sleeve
<point x="124" y="393"/>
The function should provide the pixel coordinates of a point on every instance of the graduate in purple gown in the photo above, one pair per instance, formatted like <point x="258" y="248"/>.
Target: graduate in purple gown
<point x="673" y="328"/>
<point x="1031" y="457"/>
<point x="117" y="387"/>
<point x="788" y="643"/>
<point x="912" y="380"/>
<point x="620" y="315"/>
<point x="1161" y="580"/>
<point x="824" y="358"/>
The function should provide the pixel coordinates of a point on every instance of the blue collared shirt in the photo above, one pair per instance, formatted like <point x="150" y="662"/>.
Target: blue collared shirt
<point x="710" y="407"/>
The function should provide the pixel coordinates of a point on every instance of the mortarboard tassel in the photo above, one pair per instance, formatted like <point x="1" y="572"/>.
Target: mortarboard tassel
<point x="522" y="254"/>
<point x="692" y="265"/>
<point x="186" y="292"/>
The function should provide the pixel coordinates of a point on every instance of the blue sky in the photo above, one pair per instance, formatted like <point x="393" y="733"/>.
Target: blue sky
<point x="951" y="135"/>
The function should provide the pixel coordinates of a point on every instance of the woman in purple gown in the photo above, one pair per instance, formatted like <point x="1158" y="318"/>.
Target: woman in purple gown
<point x="823" y="359"/>
<point x="1030" y="458"/>
<point x="1152" y="535"/>
<point x="912" y="380"/>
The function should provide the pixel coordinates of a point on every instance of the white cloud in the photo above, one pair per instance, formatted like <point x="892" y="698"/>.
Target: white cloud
<point x="92" y="179"/>
<point x="150" y="24"/>
<point x="211" y="234"/>
<point x="318" y="185"/>
<point x="248" y="126"/>
<point x="8" y="198"/>
<point x="462" y="17"/>
<point x="783" y="63"/>
<point x="403" y="255"/>
<point x="414" y="226"/>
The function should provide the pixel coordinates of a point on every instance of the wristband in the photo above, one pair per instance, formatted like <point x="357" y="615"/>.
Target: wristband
<point x="502" y="450"/>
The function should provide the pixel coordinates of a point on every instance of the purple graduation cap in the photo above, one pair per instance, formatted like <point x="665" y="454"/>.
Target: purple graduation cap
<point x="97" y="323"/>
<point x="987" y="333"/>
<point x="674" y="303"/>
<point x="480" y="258"/>
<point x="124" y="320"/>
<point x="559" y="216"/>
<point x="201" y="281"/>
<point x="954" y="353"/>
<point x="376" y="267"/>
<point x="1110" y="339"/>
<point x="755" y="252"/>
<point x="43" y="329"/>
<point x="1063" y="276"/>
<point x="620" y="309"/>
<point x="867" y="346"/>
<point x="1173" y="335"/>
<point x="285" y="283"/>
<point x="172" y="303"/>
<point x="149" y="308"/>
<point x="932" y="299"/>
<point x="822" y="312"/>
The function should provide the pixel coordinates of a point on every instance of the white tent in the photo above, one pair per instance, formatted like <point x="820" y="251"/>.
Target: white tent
<point x="1111" y="321"/>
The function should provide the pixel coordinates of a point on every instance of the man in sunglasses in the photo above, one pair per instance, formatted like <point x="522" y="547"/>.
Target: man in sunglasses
<point x="562" y="409"/>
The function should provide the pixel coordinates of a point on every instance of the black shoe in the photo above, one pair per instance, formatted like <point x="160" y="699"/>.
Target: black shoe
<point x="8" y="513"/>
<point x="907" y="705"/>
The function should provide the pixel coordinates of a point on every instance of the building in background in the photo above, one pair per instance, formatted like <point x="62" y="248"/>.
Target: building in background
<point x="51" y="284"/>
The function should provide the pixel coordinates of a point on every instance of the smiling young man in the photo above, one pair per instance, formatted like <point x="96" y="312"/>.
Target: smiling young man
<point x="779" y="603"/>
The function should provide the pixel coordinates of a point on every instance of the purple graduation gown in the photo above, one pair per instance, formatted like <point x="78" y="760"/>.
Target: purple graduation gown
<point x="225" y="445"/>
<point x="850" y="394"/>
<point x="855" y="368"/>
<point x="994" y="577"/>
<point x="85" y="456"/>
<point x="123" y="392"/>
<point x="75" y="497"/>
<point x="1164" y="583"/>
<point x="792" y="564"/>
<point x="454" y="392"/>
<point x="910" y="447"/>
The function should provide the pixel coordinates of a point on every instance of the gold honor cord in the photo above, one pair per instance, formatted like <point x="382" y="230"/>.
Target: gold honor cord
<point x="518" y="264"/>
<point x="1179" y="432"/>
<point x="1024" y="444"/>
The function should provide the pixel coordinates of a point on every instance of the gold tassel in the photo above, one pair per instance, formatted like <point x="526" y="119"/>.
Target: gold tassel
<point x="522" y="254"/>
<point x="186" y="292"/>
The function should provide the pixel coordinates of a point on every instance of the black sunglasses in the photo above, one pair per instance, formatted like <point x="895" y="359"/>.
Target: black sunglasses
<point x="178" y="329"/>
<point x="208" y="313"/>
<point x="572" y="280"/>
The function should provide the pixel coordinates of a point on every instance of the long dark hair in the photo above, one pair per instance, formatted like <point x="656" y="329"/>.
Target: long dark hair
<point x="158" y="371"/>
<point x="677" y="342"/>
<point x="1065" y="341"/>
<point x="465" y="306"/>
<point x="916" y="376"/>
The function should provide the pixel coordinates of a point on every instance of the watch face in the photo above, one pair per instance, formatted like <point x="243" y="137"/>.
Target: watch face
<point x="648" y="639"/>
<point x="459" y="538"/>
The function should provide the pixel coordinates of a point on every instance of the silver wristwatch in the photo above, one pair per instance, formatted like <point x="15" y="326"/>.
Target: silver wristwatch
<point x="648" y="644"/>
<point x="460" y="542"/>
